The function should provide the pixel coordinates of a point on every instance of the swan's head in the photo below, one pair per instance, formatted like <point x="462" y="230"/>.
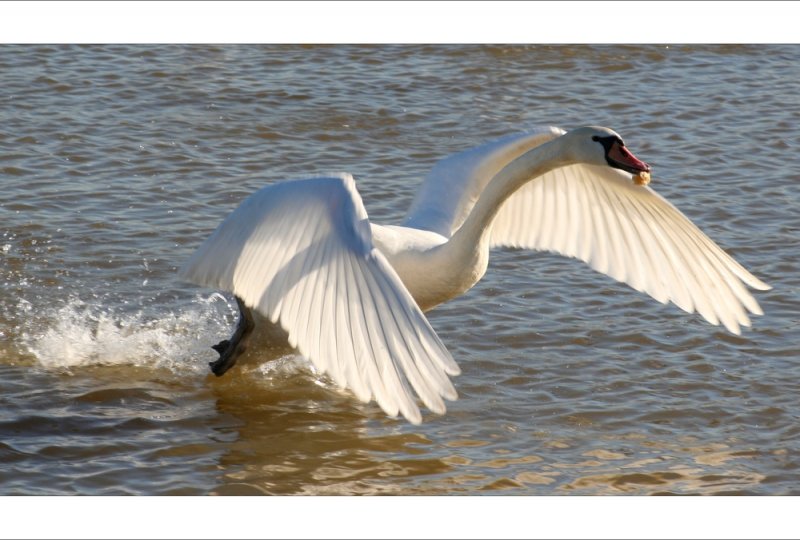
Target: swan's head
<point x="603" y="146"/>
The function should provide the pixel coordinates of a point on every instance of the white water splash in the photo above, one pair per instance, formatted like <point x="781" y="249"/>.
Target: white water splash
<point x="80" y="334"/>
<point x="285" y="366"/>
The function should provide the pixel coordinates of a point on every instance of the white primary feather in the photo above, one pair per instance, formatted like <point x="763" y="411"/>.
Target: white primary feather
<point x="632" y="234"/>
<point x="301" y="253"/>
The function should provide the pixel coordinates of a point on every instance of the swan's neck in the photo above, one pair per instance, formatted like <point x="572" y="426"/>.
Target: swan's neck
<point x="476" y="228"/>
<point x="469" y="245"/>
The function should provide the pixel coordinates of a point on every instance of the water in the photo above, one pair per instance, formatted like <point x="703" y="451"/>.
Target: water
<point x="117" y="161"/>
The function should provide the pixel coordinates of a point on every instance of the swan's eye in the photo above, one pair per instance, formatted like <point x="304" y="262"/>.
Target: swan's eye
<point x="595" y="138"/>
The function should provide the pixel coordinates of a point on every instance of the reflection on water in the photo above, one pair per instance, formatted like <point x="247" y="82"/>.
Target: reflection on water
<point x="307" y="437"/>
<point x="670" y="471"/>
<point x="310" y="438"/>
<point x="117" y="161"/>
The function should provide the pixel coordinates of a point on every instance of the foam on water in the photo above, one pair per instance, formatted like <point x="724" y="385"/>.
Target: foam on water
<point x="80" y="334"/>
<point x="288" y="365"/>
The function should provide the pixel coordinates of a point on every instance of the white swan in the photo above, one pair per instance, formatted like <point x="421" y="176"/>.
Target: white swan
<point x="351" y="294"/>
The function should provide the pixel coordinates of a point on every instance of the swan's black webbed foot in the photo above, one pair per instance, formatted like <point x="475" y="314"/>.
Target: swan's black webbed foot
<point x="230" y="350"/>
<point x="221" y="346"/>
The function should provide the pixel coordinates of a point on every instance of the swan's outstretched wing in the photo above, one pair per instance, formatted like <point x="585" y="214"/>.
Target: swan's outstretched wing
<point x="629" y="232"/>
<point x="301" y="253"/>
<point x="446" y="197"/>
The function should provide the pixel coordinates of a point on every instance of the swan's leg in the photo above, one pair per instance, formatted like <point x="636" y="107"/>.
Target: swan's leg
<point x="229" y="350"/>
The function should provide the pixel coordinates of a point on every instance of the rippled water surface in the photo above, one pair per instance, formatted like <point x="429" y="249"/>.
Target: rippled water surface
<point x="117" y="161"/>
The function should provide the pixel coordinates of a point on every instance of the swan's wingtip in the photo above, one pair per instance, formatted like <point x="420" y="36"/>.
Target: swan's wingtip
<point x="414" y="418"/>
<point x="346" y="178"/>
<point x="733" y="327"/>
<point x="761" y="286"/>
<point x="753" y="282"/>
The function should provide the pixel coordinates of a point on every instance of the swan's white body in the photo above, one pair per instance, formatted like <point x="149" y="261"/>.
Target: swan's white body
<point x="351" y="294"/>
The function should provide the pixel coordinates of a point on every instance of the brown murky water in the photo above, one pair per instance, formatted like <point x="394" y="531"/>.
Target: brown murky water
<point x="117" y="161"/>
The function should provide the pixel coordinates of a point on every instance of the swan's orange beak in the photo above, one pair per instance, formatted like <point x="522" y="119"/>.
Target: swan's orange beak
<point x="620" y="157"/>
